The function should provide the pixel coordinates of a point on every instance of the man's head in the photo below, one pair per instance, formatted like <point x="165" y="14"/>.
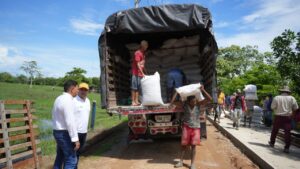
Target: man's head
<point x="238" y="92"/>
<point x="144" y="45"/>
<point x="191" y="100"/>
<point x="285" y="90"/>
<point x="71" y="86"/>
<point x="270" y="95"/>
<point x="83" y="90"/>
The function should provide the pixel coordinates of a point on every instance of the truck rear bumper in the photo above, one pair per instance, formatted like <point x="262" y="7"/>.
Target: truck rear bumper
<point x="128" y="110"/>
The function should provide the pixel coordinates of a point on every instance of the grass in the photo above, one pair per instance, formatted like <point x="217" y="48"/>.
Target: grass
<point x="44" y="97"/>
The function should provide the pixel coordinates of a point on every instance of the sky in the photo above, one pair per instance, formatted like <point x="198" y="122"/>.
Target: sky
<point x="60" y="35"/>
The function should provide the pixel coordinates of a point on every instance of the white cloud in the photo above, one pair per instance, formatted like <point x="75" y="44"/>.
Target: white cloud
<point x="86" y="27"/>
<point x="10" y="58"/>
<point x="261" y="26"/>
<point x="54" y="61"/>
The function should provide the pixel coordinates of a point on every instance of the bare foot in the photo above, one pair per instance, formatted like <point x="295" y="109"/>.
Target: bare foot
<point x="134" y="104"/>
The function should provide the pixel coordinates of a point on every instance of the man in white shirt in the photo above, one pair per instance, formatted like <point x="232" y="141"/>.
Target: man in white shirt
<point x="65" y="128"/>
<point x="82" y="113"/>
<point x="283" y="105"/>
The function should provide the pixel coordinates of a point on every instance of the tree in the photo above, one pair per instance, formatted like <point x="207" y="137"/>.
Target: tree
<point x="6" y="77"/>
<point x="95" y="83"/>
<point x="286" y="48"/>
<point x="21" y="79"/>
<point x="31" y="69"/>
<point x="266" y="77"/>
<point x="76" y="74"/>
<point x="238" y="66"/>
<point x="234" y="61"/>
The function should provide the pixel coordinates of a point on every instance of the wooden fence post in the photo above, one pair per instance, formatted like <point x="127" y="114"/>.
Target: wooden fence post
<point x="93" y="115"/>
<point x="32" y="137"/>
<point x="5" y="136"/>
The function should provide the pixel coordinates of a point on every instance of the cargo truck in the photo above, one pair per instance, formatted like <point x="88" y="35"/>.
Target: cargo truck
<point x="179" y="36"/>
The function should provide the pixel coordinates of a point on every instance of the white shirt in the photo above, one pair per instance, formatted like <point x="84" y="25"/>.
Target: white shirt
<point x="63" y="115"/>
<point x="284" y="105"/>
<point x="82" y="114"/>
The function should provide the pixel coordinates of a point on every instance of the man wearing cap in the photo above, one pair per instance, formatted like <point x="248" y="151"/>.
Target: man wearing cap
<point x="82" y="113"/>
<point x="238" y="106"/>
<point x="283" y="105"/>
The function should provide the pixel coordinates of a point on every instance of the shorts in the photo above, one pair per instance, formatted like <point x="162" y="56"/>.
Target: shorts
<point x="136" y="83"/>
<point x="190" y="136"/>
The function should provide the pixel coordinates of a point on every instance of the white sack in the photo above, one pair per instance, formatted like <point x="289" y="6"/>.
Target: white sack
<point x="250" y="92"/>
<point x="250" y="88"/>
<point x="251" y="96"/>
<point x="190" y="90"/>
<point x="151" y="90"/>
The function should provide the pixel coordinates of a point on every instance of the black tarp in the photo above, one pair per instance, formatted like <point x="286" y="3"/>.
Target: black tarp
<point x="165" y="18"/>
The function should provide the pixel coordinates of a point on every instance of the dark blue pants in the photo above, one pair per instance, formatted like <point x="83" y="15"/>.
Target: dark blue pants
<point x="65" y="154"/>
<point x="82" y="138"/>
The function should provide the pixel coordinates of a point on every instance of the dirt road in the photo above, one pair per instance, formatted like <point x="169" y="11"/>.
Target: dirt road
<point x="217" y="152"/>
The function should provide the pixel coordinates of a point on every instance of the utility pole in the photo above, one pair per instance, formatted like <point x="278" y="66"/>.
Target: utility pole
<point x="136" y="3"/>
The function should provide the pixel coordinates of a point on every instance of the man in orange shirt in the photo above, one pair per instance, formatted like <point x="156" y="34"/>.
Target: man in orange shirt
<point x="138" y="67"/>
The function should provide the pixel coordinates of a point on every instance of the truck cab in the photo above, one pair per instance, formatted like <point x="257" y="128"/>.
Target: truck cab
<point x="179" y="36"/>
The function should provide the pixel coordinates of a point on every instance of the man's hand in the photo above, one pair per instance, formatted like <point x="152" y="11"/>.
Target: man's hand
<point x="172" y="106"/>
<point x="201" y="87"/>
<point x="77" y="146"/>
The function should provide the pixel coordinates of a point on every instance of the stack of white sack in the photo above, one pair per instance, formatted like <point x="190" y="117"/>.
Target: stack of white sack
<point x="250" y="92"/>
<point x="151" y="90"/>
<point x="190" y="90"/>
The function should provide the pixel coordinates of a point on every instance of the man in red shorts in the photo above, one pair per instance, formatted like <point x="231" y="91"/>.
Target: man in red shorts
<point x="191" y="125"/>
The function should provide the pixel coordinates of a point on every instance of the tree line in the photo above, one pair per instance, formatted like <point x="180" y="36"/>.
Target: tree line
<point x="238" y="66"/>
<point x="33" y="76"/>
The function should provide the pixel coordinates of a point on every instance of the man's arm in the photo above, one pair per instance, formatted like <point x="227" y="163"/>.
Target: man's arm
<point x="139" y="64"/>
<point x="232" y="103"/>
<point x="245" y="104"/>
<point x="173" y="98"/>
<point x="138" y="58"/>
<point x="295" y="105"/>
<point x="207" y="96"/>
<point x="70" y="122"/>
<point x="274" y="104"/>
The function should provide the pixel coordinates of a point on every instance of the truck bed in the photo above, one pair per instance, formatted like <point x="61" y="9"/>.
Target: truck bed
<point x="127" y="110"/>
